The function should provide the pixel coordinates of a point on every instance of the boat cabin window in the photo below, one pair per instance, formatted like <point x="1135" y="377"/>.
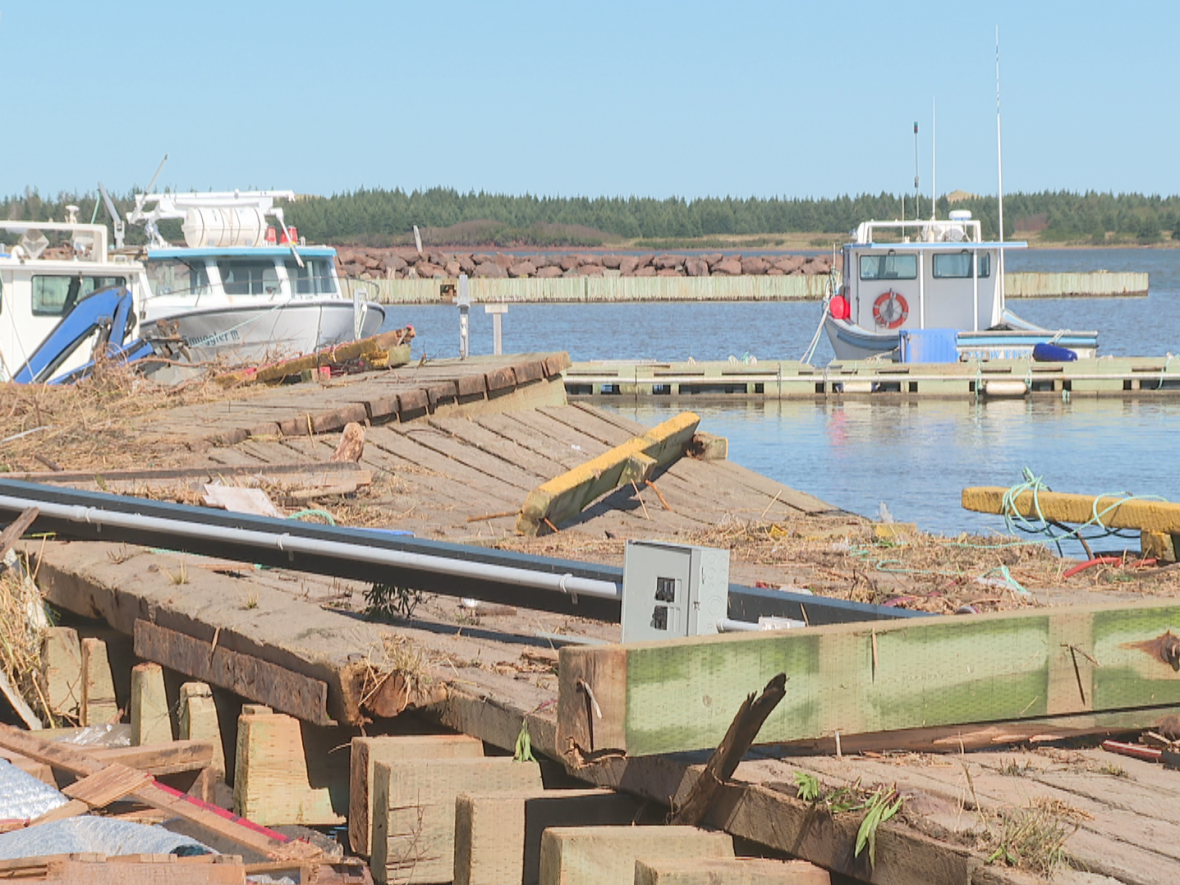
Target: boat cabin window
<point x="890" y="266"/>
<point x="249" y="277"/>
<point x="957" y="266"/>
<point x="174" y="276"/>
<point x="314" y="278"/>
<point x="55" y="296"/>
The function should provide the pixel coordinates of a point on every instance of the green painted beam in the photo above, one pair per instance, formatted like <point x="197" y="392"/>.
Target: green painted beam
<point x="863" y="678"/>
<point x="568" y="495"/>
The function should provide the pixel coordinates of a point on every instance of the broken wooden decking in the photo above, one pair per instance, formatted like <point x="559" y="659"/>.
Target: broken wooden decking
<point x="462" y="474"/>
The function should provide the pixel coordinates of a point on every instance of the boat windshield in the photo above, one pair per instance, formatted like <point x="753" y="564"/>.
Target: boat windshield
<point x="56" y="295"/>
<point x="957" y="266"/>
<point x="314" y="278"/>
<point x="889" y="267"/>
<point x="174" y="276"/>
<point x="248" y="277"/>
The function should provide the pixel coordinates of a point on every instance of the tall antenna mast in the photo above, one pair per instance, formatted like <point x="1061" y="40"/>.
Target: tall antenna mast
<point x="933" y="158"/>
<point x="1000" y="165"/>
<point x="917" y="193"/>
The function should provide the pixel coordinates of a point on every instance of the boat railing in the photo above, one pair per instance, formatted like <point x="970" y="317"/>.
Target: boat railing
<point x="89" y="241"/>
<point x="928" y="230"/>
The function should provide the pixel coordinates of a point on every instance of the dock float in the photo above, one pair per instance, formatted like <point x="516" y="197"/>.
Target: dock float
<point x="791" y="379"/>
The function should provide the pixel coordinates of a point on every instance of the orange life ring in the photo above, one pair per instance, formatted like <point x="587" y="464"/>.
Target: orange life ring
<point x="890" y="309"/>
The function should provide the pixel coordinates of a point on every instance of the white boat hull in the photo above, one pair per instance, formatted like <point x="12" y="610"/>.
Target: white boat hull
<point x="852" y="342"/>
<point x="255" y="334"/>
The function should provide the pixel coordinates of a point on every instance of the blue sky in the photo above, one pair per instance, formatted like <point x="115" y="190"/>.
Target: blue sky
<point x="596" y="99"/>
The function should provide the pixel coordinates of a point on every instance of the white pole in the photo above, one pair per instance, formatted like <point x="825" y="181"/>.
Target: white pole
<point x="1000" y="171"/>
<point x="934" y="159"/>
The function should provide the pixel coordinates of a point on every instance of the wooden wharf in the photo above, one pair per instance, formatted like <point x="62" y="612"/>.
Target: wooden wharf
<point x="453" y="448"/>
<point x="873" y="379"/>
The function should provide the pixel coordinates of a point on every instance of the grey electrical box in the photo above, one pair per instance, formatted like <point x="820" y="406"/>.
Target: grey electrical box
<point x="673" y="590"/>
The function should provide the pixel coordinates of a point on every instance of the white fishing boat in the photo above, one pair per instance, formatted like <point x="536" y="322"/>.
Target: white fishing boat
<point x="64" y="299"/>
<point x="241" y="289"/>
<point x="933" y="291"/>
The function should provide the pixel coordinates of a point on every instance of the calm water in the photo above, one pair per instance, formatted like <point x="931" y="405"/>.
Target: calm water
<point x="914" y="457"/>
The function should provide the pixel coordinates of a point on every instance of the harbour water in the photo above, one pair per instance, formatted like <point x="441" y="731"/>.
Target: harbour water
<point x="914" y="457"/>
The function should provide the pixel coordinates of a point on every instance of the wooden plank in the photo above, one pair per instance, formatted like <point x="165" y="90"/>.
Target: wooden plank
<point x="392" y="440"/>
<point x="1116" y="513"/>
<point x="15" y="529"/>
<point x="97" y="790"/>
<point x="173" y="757"/>
<point x="568" y="494"/>
<point x="861" y="678"/>
<point x="462" y="452"/>
<point x="475" y="434"/>
<point x="80" y="762"/>
<point x="251" y="677"/>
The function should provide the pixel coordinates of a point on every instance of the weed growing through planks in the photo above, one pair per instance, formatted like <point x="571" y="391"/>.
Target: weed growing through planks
<point x="121" y="555"/>
<point x="1033" y="838"/>
<point x="384" y="602"/>
<point x="180" y="576"/>
<point x="251" y="600"/>
<point x="1113" y="769"/>
<point x="1012" y="768"/>
<point x="879" y="805"/>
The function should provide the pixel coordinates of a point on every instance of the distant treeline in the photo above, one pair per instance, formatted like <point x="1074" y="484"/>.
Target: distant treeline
<point x="448" y="217"/>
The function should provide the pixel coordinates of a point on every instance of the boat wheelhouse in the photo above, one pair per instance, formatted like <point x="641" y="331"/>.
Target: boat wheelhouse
<point x="931" y="291"/>
<point x="49" y="272"/>
<point x="240" y="289"/>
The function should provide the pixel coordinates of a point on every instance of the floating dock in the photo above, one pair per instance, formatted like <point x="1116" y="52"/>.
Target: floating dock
<point x="791" y="379"/>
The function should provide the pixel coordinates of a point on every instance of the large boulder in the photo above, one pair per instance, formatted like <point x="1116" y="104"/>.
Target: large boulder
<point x="645" y="260"/>
<point x="522" y="269"/>
<point x="590" y="270"/>
<point x="428" y="271"/>
<point x="730" y="266"/>
<point x="611" y="261"/>
<point x="712" y="258"/>
<point x="669" y="272"/>
<point x="788" y="263"/>
<point x="668" y="262"/>
<point x="696" y="267"/>
<point x="452" y="268"/>
<point x="466" y="264"/>
<point x="490" y="269"/>
<point x="569" y="262"/>
<point x="504" y="260"/>
<point x="548" y="272"/>
<point x="645" y="271"/>
<point x="754" y="265"/>
<point x="627" y="264"/>
<point x="392" y="262"/>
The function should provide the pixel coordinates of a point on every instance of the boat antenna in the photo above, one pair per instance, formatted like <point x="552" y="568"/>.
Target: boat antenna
<point x="1000" y="167"/>
<point x="934" y="159"/>
<point x="917" y="193"/>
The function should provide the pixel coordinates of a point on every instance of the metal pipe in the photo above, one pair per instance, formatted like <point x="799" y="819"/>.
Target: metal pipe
<point x="285" y="542"/>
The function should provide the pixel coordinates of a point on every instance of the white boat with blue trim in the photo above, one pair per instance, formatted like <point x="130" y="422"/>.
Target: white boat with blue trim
<point x="933" y="291"/>
<point x="243" y="290"/>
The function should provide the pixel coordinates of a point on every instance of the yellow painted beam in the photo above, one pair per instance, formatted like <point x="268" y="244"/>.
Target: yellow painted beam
<point x="1116" y="513"/>
<point x="633" y="461"/>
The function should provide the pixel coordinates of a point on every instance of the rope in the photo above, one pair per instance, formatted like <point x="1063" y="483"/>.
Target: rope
<point x="324" y="514"/>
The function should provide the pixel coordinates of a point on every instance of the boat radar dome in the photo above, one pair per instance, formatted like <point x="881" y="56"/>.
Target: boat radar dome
<point x="960" y="215"/>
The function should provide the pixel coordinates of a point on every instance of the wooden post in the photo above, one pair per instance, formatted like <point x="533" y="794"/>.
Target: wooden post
<point x="198" y="721"/>
<point x="61" y="672"/>
<point x="99" y="706"/>
<point x="150" y="722"/>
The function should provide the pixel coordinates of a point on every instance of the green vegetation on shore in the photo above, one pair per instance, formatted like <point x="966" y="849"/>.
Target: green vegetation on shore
<point x="445" y="216"/>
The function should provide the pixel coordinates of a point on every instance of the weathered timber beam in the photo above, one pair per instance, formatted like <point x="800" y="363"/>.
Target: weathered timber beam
<point x="567" y="495"/>
<point x="253" y="678"/>
<point x="1116" y="513"/>
<point x="872" y="677"/>
<point x="378" y="344"/>
<point x="298" y="472"/>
